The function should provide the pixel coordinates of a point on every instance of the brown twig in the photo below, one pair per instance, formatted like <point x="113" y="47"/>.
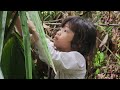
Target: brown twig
<point x="52" y="21"/>
<point x="55" y="28"/>
<point x="107" y="24"/>
<point x="94" y="24"/>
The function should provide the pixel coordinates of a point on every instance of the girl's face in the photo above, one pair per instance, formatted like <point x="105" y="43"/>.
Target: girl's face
<point x="63" y="38"/>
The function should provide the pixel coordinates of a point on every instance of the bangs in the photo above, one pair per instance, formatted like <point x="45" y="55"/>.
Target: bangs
<point x="72" y="23"/>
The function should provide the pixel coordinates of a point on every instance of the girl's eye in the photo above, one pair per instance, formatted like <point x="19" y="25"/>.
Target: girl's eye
<point x="65" y="30"/>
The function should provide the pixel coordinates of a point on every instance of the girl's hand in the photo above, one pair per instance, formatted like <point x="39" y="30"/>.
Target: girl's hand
<point x="31" y="27"/>
<point x="33" y="32"/>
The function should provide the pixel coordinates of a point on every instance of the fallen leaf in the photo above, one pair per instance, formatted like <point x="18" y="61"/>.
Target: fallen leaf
<point x="104" y="40"/>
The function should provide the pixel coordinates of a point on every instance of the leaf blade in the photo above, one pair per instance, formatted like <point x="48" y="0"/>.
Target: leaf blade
<point x="3" y="15"/>
<point x="34" y="16"/>
<point x="26" y="44"/>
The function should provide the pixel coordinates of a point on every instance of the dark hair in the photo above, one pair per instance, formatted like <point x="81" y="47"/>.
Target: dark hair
<point x="84" y="39"/>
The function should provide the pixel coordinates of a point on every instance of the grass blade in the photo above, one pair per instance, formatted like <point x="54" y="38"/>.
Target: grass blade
<point x="3" y="15"/>
<point x="26" y="44"/>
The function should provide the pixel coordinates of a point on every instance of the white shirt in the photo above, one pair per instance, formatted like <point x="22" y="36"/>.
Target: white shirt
<point x="69" y="65"/>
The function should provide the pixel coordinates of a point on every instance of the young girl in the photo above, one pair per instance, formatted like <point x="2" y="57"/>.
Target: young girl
<point x="72" y="43"/>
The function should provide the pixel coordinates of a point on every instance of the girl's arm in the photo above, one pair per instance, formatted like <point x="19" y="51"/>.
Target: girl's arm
<point x="33" y="32"/>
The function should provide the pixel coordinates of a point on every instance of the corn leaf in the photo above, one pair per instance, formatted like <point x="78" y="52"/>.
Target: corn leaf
<point x="26" y="44"/>
<point x="34" y="16"/>
<point x="3" y="15"/>
<point x="13" y="61"/>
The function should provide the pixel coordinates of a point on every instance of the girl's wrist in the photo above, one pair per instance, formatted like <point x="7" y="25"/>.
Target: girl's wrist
<point x="34" y="31"/>
<point x="35" y="35"/>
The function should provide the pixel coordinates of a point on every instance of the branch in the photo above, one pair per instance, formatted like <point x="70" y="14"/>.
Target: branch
<point x="94" y="24"/>
<point x="107" y="24"/>
<point x="53" y="23"/>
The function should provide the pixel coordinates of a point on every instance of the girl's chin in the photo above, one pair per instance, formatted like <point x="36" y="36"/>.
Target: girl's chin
<point x="56" y="45"/>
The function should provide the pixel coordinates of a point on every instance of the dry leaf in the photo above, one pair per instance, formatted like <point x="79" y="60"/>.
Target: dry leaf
<point x="104" y="40"/>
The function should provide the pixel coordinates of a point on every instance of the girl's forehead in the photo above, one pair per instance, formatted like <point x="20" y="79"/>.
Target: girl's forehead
<point x="67" y="25"/>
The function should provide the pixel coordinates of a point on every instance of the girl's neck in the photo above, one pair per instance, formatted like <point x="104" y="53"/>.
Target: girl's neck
<point x="64" y="49"/>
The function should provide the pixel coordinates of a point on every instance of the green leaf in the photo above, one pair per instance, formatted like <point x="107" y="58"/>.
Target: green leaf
<point x="102" y="57"/>
<point x="118" y="56"/>
<point x="34" y="16"/>
<point x="13" y="61"/>
<point x="108" y="29"/>
<point x="97" y="71"/>
<point x="26" y="44"/>
<point x="99" y="58"/>
<point x="118" y="60"/>
<point x="3" y="15"/>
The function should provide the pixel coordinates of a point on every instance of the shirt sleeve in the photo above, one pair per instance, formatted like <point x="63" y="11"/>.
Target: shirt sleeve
<point x="63" y="60"/>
